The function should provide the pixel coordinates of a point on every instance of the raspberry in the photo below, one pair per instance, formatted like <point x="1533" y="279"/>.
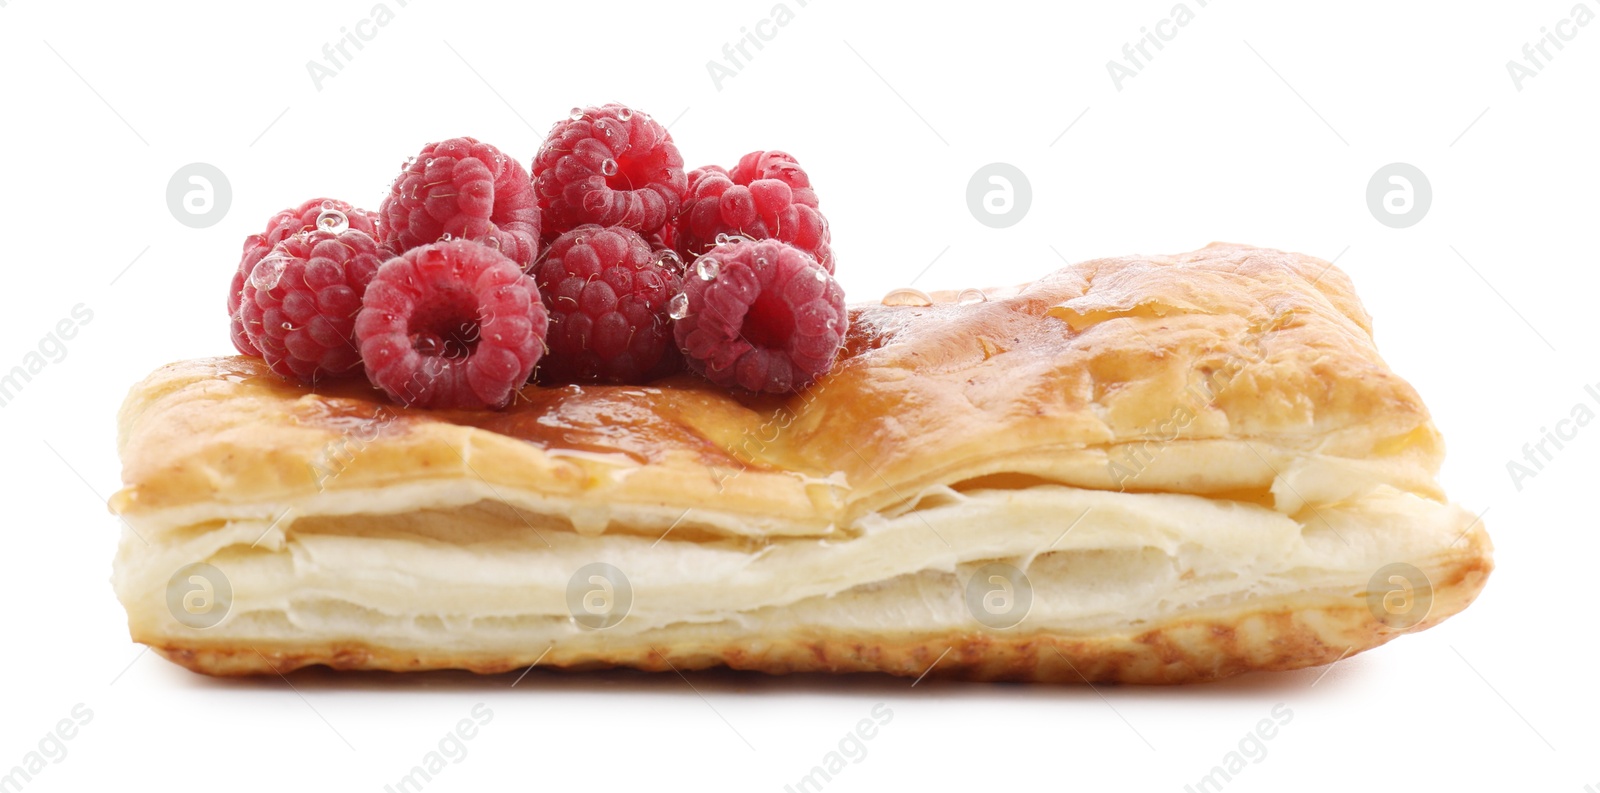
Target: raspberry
<point x="766" y="196"/>
<point x="759" y="314"/>
<point x="300" y="302"/>
<point x="463" y="189"/>
<point x="778" y="165"/>
<point x="610" y="166"/>
<point x="665" y="239"/>
<point x="607" y="294"/>
<point x="257" y="246"/>
<point x="455" y="324"/>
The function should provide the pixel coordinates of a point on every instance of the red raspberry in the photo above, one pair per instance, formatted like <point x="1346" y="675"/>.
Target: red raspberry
<point x="257" y="246"/>
<point x="778" y="165"/>
<point x="451" y="325"/>
<point x="611" y="166"/>
<point x="607" y="294"/>
<point x="766" y="196"/>
<point x="300" y="302"/>
<point x="663" y="240"/>
<point x="759" y="314"/>
<point x="466" y="190"/>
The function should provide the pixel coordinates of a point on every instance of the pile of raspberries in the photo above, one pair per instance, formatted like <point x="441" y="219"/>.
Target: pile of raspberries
<point x="608" y="264"/>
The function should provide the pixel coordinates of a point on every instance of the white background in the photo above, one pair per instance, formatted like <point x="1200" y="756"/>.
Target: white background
<point x="1257" y="123"/>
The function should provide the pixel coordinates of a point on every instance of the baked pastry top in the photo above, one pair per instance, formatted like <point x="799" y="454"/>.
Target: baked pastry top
<point x="1257" y="361"/>
<point x="1221" y="414"/>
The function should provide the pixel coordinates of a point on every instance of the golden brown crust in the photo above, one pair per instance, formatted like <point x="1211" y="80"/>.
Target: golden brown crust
<point x="1072" y="379"/>
<point x="1231" y="375"/>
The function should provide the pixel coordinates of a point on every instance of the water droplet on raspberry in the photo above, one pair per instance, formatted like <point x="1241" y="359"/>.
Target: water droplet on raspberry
<point x="678" y="306"/>
<point x="268" y="272"/>
<point x="969" y="297"/>
<point x="707" y="268"/>
<point x="446" y="237"/>
<point x="429" y="163"/>
<point x="332" y="220"/>
<point x="604" y="128"/>
<point x="821" y="275"/>
<point x="670" y="259"/>
<point x="577" y="114"/>
<point x="428" y="344"/>
<point x="328" y="204"/>
<point x="625" y="114"/>
<point x="609" y="167"/>
<point x="761" y="261"/>
<point x="907" y="297"/>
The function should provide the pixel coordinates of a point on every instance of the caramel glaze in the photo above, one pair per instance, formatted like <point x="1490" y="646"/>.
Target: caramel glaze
<point x="645" y="423"/>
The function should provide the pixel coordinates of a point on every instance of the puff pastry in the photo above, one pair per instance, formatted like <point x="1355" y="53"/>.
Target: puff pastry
<point x="1183" y="467"/>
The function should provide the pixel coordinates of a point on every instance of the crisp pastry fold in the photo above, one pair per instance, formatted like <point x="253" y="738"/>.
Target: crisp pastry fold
<point x="1143" y="469"/>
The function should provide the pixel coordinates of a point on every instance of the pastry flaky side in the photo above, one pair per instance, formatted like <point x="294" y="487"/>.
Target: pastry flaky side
<point x="1149" y="469"/>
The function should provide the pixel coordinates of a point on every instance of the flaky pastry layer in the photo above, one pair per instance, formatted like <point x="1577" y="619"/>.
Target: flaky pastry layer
<point x="1197" y="462"/>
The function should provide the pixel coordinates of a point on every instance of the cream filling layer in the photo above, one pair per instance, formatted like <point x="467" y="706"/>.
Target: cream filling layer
<point x="1093" y="561"/>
